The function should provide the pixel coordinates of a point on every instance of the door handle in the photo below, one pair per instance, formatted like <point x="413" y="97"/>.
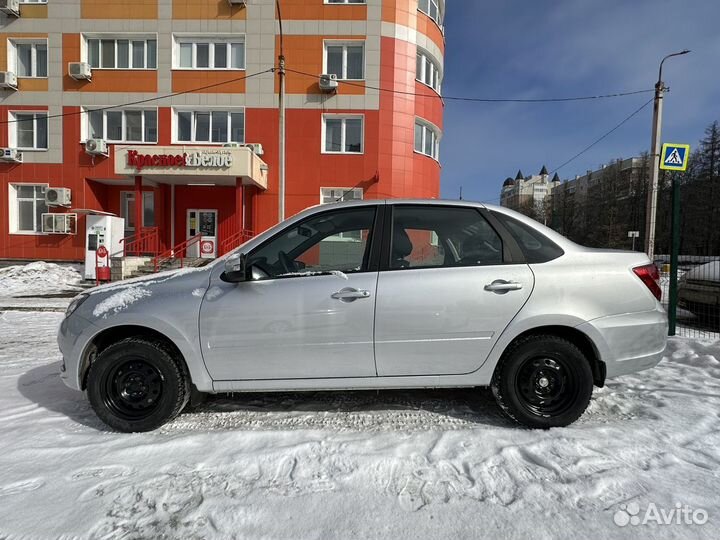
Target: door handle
<point x="349" y="294"/>
<point x="500" y="286"/>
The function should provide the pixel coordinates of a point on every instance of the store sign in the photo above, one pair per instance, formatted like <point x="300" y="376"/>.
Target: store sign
<point x="203" y="159"/>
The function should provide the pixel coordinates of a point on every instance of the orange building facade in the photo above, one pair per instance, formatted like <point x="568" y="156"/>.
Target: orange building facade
<point x="165" y="113"/>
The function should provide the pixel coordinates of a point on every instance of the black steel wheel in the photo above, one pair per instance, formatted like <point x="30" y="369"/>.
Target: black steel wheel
<point x="137" y="384"/>
<point x="543" y="381"/>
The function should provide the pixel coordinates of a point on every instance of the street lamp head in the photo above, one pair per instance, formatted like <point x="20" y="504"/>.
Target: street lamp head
<point x="684" y="51"/>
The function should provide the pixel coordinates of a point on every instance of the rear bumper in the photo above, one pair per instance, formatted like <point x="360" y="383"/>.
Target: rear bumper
<point x="630" y="342"/>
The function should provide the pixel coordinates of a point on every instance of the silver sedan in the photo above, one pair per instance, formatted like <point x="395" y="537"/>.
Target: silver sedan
<point x="373" y="295"/>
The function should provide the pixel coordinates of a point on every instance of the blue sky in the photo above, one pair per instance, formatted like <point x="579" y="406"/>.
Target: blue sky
<point x="559" y="48"/>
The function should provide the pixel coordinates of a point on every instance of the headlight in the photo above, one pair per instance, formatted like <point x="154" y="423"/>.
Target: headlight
<point x="76" y="302"/>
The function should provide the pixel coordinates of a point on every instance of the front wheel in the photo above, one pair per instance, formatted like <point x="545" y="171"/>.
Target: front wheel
<point x="137" y="385"/>
<point x="543" y="381"/>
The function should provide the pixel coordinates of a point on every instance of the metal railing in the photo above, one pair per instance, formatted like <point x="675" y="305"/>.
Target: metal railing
<point x="235" y="240"/>
<point x="144" y="242"/>
<point x="176" y="252"/>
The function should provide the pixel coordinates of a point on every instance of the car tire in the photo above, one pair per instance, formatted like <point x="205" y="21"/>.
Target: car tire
<point x="137" y="384"/>
<point x="543" y="381"/>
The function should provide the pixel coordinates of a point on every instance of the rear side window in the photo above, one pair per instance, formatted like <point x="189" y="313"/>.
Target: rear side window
<point x="536" y="247"/>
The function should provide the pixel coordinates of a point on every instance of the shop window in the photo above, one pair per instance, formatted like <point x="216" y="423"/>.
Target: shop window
<point x="27" y="204"/>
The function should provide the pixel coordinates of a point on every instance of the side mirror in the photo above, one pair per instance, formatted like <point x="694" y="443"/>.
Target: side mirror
<point x="235" y="268"/>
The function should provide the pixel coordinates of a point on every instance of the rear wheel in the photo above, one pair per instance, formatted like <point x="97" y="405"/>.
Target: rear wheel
<point x="137" y="385"/>
<point x="543" y="381"/>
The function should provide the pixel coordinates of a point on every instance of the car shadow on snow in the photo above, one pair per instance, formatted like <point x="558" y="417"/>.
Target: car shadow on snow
<point x="43" y="386"/>
<point x="353" y="410"/>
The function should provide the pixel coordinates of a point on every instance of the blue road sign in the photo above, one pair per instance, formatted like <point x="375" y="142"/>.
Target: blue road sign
<point x="674" y="157"/>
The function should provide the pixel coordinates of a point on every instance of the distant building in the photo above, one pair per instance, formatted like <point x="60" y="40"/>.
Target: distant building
<point x="529" y="194"/>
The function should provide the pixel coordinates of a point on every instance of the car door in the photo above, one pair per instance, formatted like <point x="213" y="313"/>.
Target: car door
<point x="308" y="311"/>
<point x="446" y="291"/>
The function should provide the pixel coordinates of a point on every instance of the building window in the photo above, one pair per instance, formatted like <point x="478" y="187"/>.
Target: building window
<point x="28" y="58"/>
<point x="342" y="134"/>
<point x="29" y="130"/>
<point x="33" y="1"/>
<point x="427" y="140"/>
<point x="345" y="1"/>
<point x="127" y="125"/>
<point x="428" y="71"/>
<point x="27" y="205"/>
<point x="215" y="53"/>
<point x="121" y="53"/>
<point x="435" y="9"/>
<point x="210" y="126"/>
<point x="331" y="195"/>
<point x="345" y="59"/>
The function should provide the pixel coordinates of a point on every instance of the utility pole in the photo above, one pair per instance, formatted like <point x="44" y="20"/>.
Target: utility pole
<point x="651" y="212"/>
<point x="281" y="107"/>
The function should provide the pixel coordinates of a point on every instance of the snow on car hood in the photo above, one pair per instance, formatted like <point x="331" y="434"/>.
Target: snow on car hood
<point x="147" y="281"/>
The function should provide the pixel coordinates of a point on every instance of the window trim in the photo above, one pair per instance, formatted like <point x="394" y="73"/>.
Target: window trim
<point x="85" y="132"/>
<point x="12" y="60"/>
<point x="14" y="123"/>
<point x="343" y="117"/>
<point x="175" y="124"/>
<point x="438" y="137"/>
<point x="194" y="39"/>
<point x="13" y="209"/>
<point x="114" y="36"/>
<point x="345" y="43"/>
<point x="420" y="77"/>
<point x="440" y="20"/>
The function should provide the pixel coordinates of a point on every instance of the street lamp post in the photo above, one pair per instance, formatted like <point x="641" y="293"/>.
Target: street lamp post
<point x="651" y="213"/>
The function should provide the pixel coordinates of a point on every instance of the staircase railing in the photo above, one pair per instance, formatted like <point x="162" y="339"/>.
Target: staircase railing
<point x="176" y="252"/>
<point x="235" y="240"/>
<point x="144" y="242"/>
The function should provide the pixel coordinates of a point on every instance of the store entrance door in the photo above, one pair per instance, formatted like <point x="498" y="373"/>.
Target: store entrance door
<point x="204" y="223"/>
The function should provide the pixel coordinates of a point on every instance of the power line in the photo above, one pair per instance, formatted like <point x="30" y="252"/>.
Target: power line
<point x="618" y="126"/>
<point x="481" y="100"/>
<point x="148" y="100"/>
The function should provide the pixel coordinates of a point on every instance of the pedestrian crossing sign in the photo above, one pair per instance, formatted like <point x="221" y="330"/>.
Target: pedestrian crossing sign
<point x="674" y="157"/>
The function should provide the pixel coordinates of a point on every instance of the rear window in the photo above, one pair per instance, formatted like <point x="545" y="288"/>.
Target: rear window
<point x="536" y="247"/>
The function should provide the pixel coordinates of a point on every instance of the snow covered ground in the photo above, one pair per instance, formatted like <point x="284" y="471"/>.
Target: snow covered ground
<point x="422" y="464"/>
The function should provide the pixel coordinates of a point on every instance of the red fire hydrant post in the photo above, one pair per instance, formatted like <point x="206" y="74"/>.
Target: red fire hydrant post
<point x="102" y="273"/>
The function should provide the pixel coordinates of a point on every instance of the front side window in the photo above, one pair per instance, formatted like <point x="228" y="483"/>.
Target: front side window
<point x="31" y="58"/>
<point x="209" y="54"/>
<point x="437" y="236"/>
<point x="122" y="53"/>
<point x="311" y="247"/>
<point x="342" y="134"/>
<point x="346" y="60"/>
<point x="210" y="126"/>
<point x="27" y="208"/>
<point x="428" y="71"/>
<point x="125" y="125"/>
<point x="427" y="140"/>
<point x="29" y="131"/>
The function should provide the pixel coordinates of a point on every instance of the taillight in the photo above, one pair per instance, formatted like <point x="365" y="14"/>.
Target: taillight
<point x="650" y="277"/>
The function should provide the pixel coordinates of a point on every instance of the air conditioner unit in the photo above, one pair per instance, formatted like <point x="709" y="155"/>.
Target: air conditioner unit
<point x="59" y="223"/>
<point x="328" y="82"/>
<point x="80" y="71"/>
<point x="233" y="145"/>
<point x="96" y="147"/>
<point x="58" y="196"/>
<point x="10" y="7"/>
<point x="8" y="80"/>
<point x="12" y="155"/>
<point x="257" y="148"/>
<point x="241" y="3"/>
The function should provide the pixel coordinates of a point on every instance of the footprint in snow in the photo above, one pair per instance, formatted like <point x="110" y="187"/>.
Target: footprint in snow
<point x="21" y="487"/>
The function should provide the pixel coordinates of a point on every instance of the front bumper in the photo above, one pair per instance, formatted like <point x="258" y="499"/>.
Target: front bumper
<point x="73" y="334"/>
<point x="629" y="342"/>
